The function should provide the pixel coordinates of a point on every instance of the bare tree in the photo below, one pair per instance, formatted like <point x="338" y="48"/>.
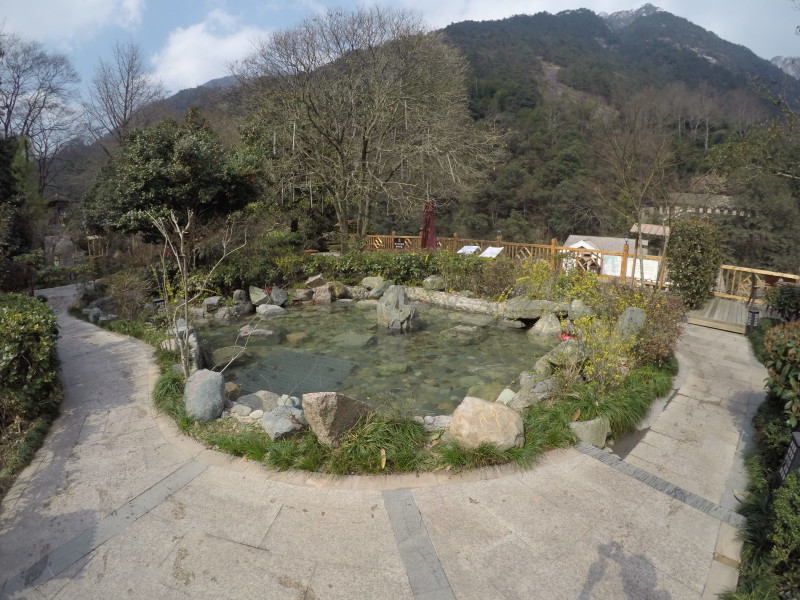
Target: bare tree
<point x="56" y="127"/>
<point x="637" y="164"/>
<point x="33" y="82"/>
<point x="119" y="94"/>
<point x="366" y="105"/>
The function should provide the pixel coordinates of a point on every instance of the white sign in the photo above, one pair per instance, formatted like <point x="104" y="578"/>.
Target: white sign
<point x="612" y="266"/>
<point x="469" y="250"/>
<point x="491" y="252"/>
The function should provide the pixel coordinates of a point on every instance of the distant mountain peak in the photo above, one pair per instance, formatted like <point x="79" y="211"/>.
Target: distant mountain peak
<point x="788" y="64"/>
<point x="623" y="18"/>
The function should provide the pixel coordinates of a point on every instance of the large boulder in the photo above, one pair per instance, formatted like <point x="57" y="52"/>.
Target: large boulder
<point x="579" y="310"/>
<point x="394" y="312"/>
<point x="330" y="414"/>
<point x="212" y="303"/>
<point x="278" y="296"/>
<point x="282" y="422"/>
<point x="594" y="432"/>
<point x="302" y="295"/>
<point x="532" y="394"/>
<point x="226" y="313"/>
<point x="243" y="309"/>
<point x="227" y="355"/>
<point x="370" y="283"/>
<point x="315" y="281"/>
<point x="260" y="400"/>
<point x="240" y="296"/>
<point x="270" y="310"/>
<point x="258" y="296"/>
<point x="525" y="308"/>
<point x="630" y="322"/>
<point x="548" y="328"/>
<point x="204" y="395"/>
<point x="477" y="422"/>
<point x="379" y="290"/>
<point x="323" y="294"/>
<point x="356" y="292"/>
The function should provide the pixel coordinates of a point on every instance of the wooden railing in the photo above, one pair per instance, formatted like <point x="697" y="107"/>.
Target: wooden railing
<point x="739" y="283"/>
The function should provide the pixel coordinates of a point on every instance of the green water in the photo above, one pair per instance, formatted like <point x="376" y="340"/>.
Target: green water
<point x="427" y="371"/>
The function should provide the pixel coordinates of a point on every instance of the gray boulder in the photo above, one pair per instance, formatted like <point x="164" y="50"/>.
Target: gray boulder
<point x="243" y="309"/>
<point x="434" y="423"/>
<point x="567" y="353"/>
<point x="262" y="399"/>
<point x="258" y="296"/>
<point x="525" y="308"/>
<point x="594" y="432"/>
<point x="248" y="331"/>
<point x="379" y="290"/>
<point x="356" y="292"/>
<point x="548" y="327"/>
<point x="370" y="283"/>
<point x="204" y="395"/>
<point x="287" y="400"/>
<point x="579" y="310"/>
<point x="225" y="313"/>
<point x="630" y="322"/>
<point x="315" y="281"/>
<point x="232" y="391"/>
<point x="330" y="414"/>
<point x="302" y="295"/>
<point x="241" y="410"/>
<point x="212" y="303"/>
<point x="506" y="396"/>
<point x="278" y="296"/>
<point x="477" y="422"/>
<point x="433" y="282"/>
<point x="226" y="355"/>
<point x="394" y="312"/>
<point x="323" y="294"/>
<point x="240" y="296"/>
<point x="270" y="310"/>
<point x="282" y="422"/>
<point x="532" y="394"/>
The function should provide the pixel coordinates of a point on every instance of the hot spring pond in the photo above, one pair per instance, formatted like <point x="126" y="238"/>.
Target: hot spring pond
<point x="340" y="347"/>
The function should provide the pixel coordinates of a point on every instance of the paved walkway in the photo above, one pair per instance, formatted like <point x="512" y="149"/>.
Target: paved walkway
<point x="117" y="504"/>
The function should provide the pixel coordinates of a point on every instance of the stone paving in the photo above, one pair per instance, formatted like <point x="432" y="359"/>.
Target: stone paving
<point x="118" y="504"/>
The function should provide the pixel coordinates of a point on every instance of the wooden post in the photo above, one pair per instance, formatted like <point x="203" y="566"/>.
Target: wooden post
<point x="623" y="269"/>
<point x="455" y="243"/>
<point x="553" y="254"/>
<point x="391" y="241"/>
<point x="662" y="275"/>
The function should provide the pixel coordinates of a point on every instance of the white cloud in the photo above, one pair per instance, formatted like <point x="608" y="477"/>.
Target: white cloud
<point x="63" y="21"/>
<point x="198" y="53"/>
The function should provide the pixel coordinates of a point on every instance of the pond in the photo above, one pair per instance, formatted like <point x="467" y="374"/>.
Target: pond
<point x="339" y="347"/>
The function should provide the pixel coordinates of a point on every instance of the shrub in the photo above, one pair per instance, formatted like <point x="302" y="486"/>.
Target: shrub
<point x="785" y="535"/>
<point x="129" y="291"/>
<point x="782" y="344"/>
<point x="785" y="300"/>
<point x="694" y="257"/>
<point x="53" y="276"/>
<point x="28" y="361"/>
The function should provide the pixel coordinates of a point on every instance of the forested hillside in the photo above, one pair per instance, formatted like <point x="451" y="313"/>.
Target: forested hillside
<point x="567" y="95"/>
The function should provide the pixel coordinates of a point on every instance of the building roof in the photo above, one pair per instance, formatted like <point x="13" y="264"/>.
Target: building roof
<point x="594" y="242"/>
<point x="649" y="229"/>
<point x="701" y="200"/>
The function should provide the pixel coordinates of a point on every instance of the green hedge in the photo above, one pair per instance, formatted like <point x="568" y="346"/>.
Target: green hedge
<point x="28" y="361"/>
<point x="29" y="388"/>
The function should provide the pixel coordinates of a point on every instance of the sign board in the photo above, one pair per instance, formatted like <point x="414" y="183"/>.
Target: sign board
<point x="612" y="265"/>
<point x="399" y="245"/>
<point x="468" y="250"/>
<point x="491" y="252"/>
<point x="791" y="462"/>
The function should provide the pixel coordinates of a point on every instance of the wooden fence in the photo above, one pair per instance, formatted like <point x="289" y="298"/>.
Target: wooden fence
<point x="739" y="283"/>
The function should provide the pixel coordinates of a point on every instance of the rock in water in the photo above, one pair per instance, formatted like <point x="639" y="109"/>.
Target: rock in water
<point x="394" y="312"/>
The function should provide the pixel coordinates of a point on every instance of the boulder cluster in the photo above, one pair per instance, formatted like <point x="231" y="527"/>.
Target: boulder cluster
<point x="476" y="421"/>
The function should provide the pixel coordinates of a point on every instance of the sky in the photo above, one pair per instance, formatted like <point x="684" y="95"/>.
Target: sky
<point x="190" y="42"/>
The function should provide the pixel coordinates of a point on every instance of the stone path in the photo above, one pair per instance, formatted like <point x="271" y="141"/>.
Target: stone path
<point x="118" y="504"/>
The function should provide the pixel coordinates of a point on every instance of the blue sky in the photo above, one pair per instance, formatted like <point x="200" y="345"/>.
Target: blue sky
<point x="189" y="42"/>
